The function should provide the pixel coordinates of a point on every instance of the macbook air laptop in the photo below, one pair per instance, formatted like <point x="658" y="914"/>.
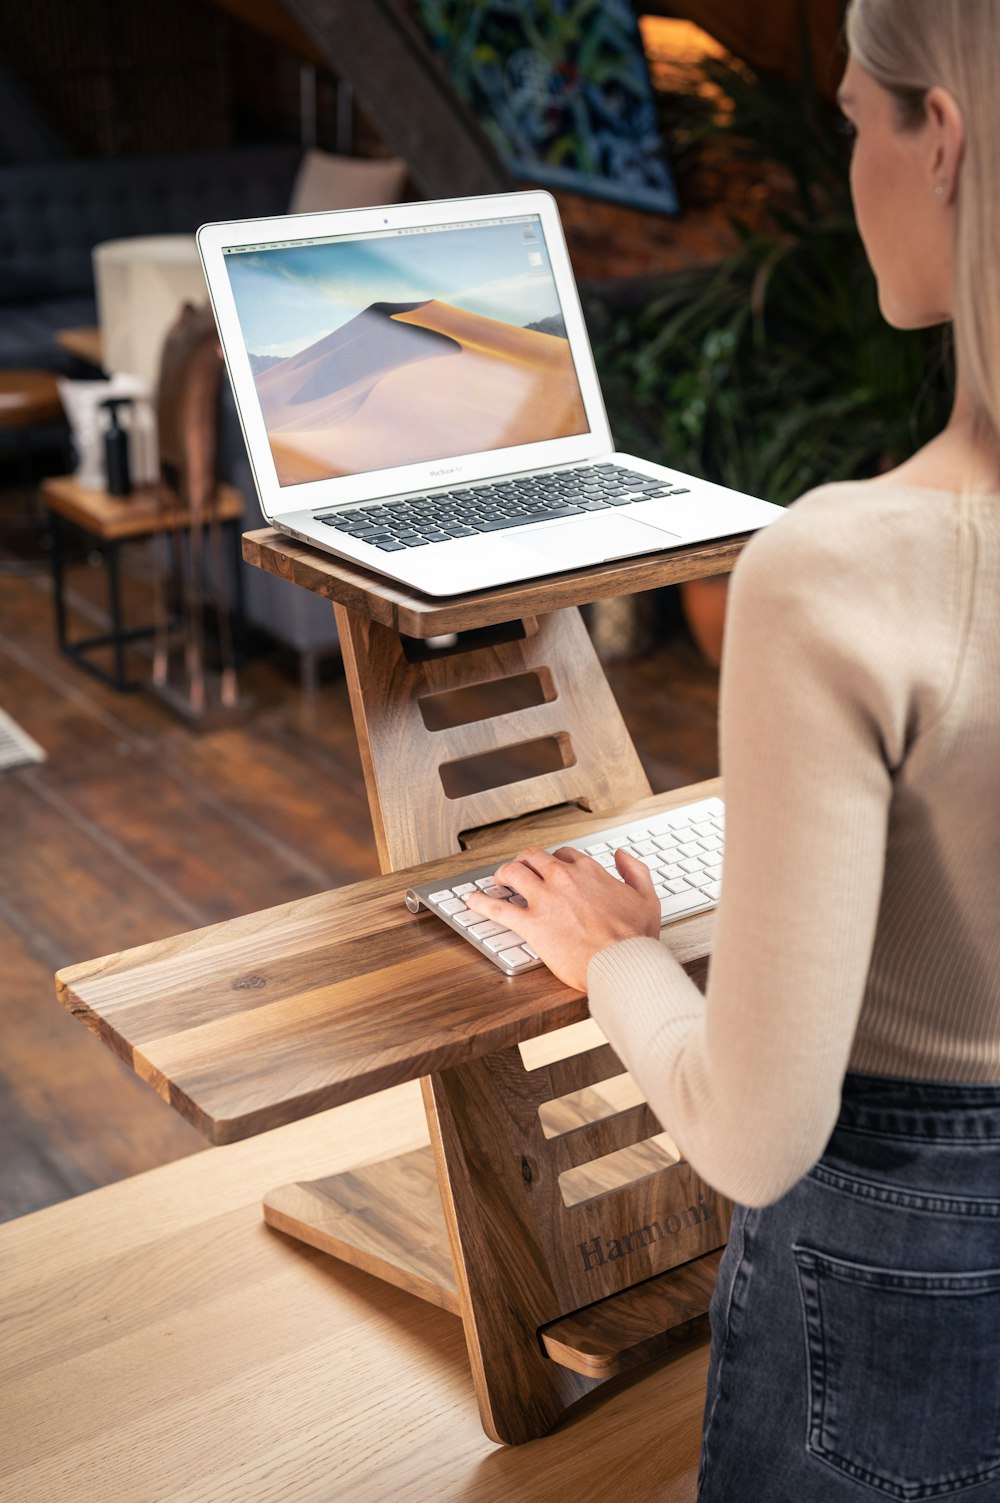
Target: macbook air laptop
<point x="418" y="395"/>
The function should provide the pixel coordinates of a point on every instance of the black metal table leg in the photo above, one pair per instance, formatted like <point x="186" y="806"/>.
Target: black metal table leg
<point x="58" y="578"/>
<point x="110" y="551"/>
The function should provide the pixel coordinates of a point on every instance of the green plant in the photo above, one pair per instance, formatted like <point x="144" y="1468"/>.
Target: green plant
<point x="774" y="370"/>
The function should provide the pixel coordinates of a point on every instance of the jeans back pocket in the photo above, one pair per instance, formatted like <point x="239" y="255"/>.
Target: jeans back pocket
<point x="904" y="1374"/>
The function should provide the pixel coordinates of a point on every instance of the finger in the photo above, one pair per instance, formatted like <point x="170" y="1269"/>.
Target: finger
<point x="492" y="908"/>
<point x="569" y="854"/>
<point x="636" y="873"/>
<point x="527" y="869"/>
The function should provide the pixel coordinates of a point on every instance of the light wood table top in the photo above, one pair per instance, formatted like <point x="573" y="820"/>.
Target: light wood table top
<point x="160" y="1343"/>
<point x="256" y="1022"/>
<point x="112" y="518"/>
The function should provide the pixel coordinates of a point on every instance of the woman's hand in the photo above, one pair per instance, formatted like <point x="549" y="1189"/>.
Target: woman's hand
<point x="571" y="907"/>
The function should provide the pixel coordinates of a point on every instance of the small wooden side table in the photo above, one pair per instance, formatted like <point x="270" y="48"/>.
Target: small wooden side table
<point x="109" y="521"/>
<point x="84" y="342"/>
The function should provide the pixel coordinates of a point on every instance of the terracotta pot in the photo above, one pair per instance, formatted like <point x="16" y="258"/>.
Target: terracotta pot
<point x="704" y="604"/>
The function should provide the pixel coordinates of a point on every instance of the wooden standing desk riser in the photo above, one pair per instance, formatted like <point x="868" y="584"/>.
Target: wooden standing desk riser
<point x="253" y="1023"/>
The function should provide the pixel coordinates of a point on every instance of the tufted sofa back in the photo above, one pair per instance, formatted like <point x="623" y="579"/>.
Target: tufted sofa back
<point x="52" y="214"/>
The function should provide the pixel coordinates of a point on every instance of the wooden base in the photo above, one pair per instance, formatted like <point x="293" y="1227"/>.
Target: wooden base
<point x="557" y="1294"/>
<point x="386" y="1218"/>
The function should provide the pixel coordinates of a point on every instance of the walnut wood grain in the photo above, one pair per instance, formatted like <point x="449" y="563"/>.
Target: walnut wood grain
<point x="384" y="1218"/>
<point x="412" y="814"/>
<point x="397" y="606"/>
<point x="253" y="1023"/>
<point x="523" y="1259"/>
<point x="617" y="1334"/>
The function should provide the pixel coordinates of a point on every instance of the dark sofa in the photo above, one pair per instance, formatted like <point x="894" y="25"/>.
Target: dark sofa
<point x="53" y="214"/>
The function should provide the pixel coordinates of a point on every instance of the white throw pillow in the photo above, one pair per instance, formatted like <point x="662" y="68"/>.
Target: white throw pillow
<point x="330" y="182"/>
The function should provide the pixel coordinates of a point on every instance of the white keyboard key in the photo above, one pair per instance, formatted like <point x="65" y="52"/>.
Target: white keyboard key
<point x="691" y="902"/>
<point x="685" y="881"/>
<point x="486" y="928"/>
<point x="452" y="905"/>
<point x="678" y="819"/>
<point x="502" y="941"/>
<point x="517" y="958"/>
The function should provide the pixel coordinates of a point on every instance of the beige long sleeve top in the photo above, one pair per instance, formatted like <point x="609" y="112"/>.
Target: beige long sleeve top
<point x="859" y="920"/>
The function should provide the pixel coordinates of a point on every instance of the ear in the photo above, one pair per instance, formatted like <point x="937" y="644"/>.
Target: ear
<point x="944" y="118"/>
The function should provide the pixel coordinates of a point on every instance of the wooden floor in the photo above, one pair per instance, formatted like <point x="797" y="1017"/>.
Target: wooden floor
<point x="136" y="828"/>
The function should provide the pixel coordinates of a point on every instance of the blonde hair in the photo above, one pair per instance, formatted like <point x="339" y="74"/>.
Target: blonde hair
<point x="909" y="46"/>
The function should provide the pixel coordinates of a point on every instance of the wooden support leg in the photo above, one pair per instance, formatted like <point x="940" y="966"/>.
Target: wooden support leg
<point x="559" y="1287"/>
<point x="555" y="1298"/>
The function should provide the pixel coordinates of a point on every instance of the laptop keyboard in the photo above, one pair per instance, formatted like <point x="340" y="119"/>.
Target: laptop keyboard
<point x="682" y="848"/>
<point x="418" y="521"/>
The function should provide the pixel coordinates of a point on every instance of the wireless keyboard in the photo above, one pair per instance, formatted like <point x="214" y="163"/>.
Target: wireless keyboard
<point x="682" y="848"/>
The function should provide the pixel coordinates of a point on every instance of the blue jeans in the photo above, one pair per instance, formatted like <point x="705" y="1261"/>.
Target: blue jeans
<point x="856" y="1322"/>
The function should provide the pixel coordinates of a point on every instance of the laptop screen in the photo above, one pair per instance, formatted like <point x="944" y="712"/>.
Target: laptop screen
<point x="392" y="348"/>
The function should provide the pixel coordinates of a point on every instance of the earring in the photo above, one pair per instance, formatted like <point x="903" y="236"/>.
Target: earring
<point x="939" y="190"/>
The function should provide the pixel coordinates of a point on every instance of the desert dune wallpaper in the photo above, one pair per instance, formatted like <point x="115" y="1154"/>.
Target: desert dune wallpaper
<point x="423" y="346"/>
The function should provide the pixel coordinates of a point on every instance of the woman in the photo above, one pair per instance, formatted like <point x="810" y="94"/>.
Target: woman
<point x="841" y="1080"/>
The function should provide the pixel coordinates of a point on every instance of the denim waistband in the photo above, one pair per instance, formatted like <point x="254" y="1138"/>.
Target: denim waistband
<point x="943" y="1110"/>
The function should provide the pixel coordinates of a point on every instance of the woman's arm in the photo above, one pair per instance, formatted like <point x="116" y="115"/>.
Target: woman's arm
<point x="815" y="718"/>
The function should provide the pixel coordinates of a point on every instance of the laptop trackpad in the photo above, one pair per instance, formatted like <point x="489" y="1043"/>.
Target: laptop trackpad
<point x="594" y="539"/>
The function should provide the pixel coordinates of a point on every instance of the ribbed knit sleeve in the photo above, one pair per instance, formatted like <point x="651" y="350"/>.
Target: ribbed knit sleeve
<point x="843" y="639"/>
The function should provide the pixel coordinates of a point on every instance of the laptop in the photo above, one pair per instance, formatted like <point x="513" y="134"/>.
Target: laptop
<point x="418" y="395"/>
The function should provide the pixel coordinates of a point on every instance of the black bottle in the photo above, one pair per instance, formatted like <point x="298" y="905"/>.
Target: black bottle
<point x="118" y="476"/>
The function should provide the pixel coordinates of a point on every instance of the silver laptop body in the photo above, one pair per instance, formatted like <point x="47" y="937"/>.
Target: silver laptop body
<point x="418" y="395"/>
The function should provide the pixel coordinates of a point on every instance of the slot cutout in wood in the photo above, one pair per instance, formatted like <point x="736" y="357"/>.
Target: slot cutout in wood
<point x="521" y="829"/>
<point x="508" y="764"/>
<point x="420" y="649"/>
<point x="592" y="1104"/>
<point x="561" y="1044"/>
<point x="626" y="1166"/>
<point x="486" y="700"/>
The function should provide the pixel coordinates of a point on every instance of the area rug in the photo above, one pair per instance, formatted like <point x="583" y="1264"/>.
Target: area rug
<point x="16" y="746"/>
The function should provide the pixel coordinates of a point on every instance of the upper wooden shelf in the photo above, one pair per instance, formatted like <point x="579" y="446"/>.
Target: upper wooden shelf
<point x="404" y="610"/>
<point x="256" y="1022"/>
